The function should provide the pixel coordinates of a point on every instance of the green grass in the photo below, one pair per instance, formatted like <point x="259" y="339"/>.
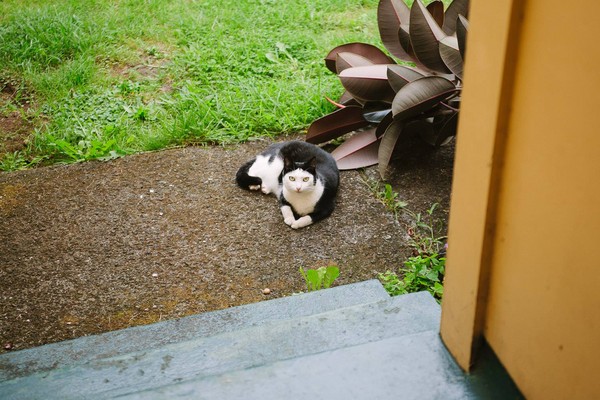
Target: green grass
<point x="103" y="79"/>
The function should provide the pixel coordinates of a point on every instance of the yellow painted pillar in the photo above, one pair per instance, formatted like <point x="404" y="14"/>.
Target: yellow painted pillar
<point x="491" y="47"/>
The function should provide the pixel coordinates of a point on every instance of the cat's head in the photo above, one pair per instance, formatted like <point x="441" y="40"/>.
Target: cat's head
<point x="299" y="176"/>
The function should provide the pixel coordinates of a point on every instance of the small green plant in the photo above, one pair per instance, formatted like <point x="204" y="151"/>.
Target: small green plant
<point x="390" y="199"/>
<point x="425" y="269"/>
<point x="320" y="278"/>
<point x="13" y="161"/>
<point x="424" y="235"/>
<point x="87" y="149"/>
<point x="424" y="229"/>
<point x="419" y="273"/>
<point x="18" y="160"/>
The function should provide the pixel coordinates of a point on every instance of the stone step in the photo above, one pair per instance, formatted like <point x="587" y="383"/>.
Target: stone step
<point x="249" y="347"/>
<point x="154" y="336"/>
<point x="407" y="367"/>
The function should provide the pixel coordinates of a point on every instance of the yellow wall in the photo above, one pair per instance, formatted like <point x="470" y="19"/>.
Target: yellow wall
<point x="533" y="274"/>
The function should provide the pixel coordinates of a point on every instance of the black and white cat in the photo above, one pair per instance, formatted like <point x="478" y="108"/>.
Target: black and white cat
<point x="304" y="178"/>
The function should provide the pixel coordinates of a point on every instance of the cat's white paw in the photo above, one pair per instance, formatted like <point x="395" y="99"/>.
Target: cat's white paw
<point x="288" y="215"/>
<point x="254" y="187"/>
<point x="301" y="222"/>
<point x="265" y="189"/>
<point x="290" y="221"/>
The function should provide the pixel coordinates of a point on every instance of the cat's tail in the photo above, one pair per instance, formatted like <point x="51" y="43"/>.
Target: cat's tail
<point x="246" y="181"/>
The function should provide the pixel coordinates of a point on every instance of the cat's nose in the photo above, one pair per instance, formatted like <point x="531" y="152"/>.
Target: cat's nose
<point x="298" y="189"/>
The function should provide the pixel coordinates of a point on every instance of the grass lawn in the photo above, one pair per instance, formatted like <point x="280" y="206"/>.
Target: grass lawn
<point x="98" y="79"/>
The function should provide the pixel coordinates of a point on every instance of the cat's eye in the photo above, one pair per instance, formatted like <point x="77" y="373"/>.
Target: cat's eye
<point x="305" y="179"/>
<point x="292" y="178"/>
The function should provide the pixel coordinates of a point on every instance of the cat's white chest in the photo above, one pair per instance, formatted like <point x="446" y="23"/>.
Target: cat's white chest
<point x="304" y="202"/>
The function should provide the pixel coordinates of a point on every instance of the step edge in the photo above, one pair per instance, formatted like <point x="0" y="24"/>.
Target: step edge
<point x="432" y="335"/>
<point x="426" y="302"/>
<point x="77" y="351"/>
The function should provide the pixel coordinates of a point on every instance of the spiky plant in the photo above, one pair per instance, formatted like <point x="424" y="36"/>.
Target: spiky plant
<point x="385" y="100"/>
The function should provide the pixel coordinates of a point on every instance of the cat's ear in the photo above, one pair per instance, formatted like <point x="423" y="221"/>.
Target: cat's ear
<point x="288" y="164"/>
<point x="311" y="165"/>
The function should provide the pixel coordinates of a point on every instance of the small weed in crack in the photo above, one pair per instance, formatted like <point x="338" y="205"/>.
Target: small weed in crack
<point x="425" y="270"/>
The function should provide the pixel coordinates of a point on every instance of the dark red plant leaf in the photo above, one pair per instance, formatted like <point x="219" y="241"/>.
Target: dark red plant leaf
<point x="347" y="99"/>
<point x="390" y="15"/>
<point x="362" y="158"/>
<point x="437" y="130"/>
<point x="445" y="127"/>
<point x="421" y="95"/>
<point x="375" y="111"/>
<point x="456" y="8"/>
<point x="375" y="117"/>
<point x="454" y="102"/>
<point x="436" y="9"/>
<point x="424" y="129"/>
<point x="358" y="151"/>
<point x="354" y="143"/>
<point x="400" y="75"/>
<point x="383" y="125"/>
<point x="388" y="144"/>
<point x="404" y="38"/>
<point x="347" y="60"/>
<point x="336" y="124"/>
<point x="425" y="34"/>
<point x="368" y="51"/>
<point x="462" y="26"/>
<point x="368" y="83"/>
<point x="451" y="55"/>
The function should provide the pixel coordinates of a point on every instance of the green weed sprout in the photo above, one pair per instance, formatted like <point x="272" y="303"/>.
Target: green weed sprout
<point x="320" y="278"/>
<point x="419" y="273"/>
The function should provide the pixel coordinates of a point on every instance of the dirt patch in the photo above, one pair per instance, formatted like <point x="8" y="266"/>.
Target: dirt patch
<point x="93" y="247"/>
<point x="149" y="66"/>
<point x="15" y="130"/>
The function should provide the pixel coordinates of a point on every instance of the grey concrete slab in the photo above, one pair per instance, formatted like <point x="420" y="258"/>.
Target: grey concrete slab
<point x="407" y="367"/>
<point x="148" y="337"/>
<point x="233" y="350"/>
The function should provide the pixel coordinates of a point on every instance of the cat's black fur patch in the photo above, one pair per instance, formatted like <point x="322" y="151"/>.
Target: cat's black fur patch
<point x="243" y="179"/>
